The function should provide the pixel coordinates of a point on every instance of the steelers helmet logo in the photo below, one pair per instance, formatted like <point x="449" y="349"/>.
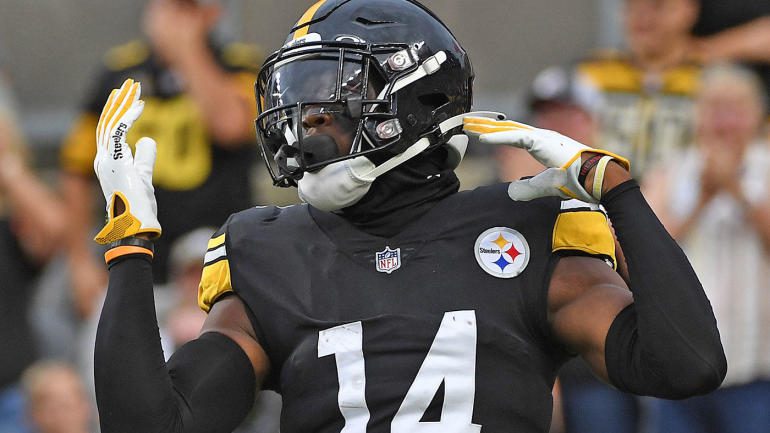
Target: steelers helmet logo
<point x="502" y="252"/>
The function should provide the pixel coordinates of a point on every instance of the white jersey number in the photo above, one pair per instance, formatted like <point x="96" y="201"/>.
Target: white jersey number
<point x="451" y="360"/>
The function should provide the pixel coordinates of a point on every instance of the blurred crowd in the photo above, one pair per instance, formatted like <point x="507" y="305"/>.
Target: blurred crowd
<point x="686" y="99"/>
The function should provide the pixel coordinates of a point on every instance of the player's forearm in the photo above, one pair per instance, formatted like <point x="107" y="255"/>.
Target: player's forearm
<point x="667" y="344"/>
<point x="132" y="382"/>
<point x="206" y="387"/>
<point x="225" y="110"/>
<point x="36" y="208"/>
<point x="748" y="42"/>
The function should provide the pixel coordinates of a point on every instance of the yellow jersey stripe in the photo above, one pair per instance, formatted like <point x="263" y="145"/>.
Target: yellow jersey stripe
<point x="216" y="242"/>
<point x="584" y="231"/>
<point x="215" y="282"/>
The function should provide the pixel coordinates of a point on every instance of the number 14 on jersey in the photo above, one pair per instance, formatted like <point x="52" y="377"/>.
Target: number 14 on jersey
<point x="451" y="359"/>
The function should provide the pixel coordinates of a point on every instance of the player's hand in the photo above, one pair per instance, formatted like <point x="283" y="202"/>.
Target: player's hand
<point x="126" y="180"/>
<point x="561" y="154"/>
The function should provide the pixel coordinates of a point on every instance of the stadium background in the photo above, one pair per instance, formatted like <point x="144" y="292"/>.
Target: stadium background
<point x="51" y="48"/>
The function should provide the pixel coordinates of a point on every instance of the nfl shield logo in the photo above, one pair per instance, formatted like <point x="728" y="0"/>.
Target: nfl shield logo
<point x="388" y="260"/>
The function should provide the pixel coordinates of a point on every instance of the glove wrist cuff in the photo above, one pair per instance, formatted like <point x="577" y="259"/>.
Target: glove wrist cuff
<point x="128" y="246"/>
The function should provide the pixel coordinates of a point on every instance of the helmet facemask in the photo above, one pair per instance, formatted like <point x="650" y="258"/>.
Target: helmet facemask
<point x="321" y="103"/>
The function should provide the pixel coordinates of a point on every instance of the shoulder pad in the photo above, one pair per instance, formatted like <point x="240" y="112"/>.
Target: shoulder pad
<point x="127" y="55"/>
<point x="583" y="229"/>
<point x="243" y="55"/>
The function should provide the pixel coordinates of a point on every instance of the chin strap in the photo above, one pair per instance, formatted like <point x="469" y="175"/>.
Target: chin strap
<point x="458" y="146"/>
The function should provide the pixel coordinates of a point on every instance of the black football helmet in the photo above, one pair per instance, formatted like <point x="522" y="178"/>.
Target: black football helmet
<point x="387" y="72"/>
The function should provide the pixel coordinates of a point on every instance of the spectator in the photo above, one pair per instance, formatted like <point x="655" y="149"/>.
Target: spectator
<point x="646" y="111"/>
<point x="738" y="30"/>
<point x="715" y="200"/>
<point x="199" y="107"/>
<point x="556" y="103"/>
<point x="56" y="399"/>
<point x="30" y="230"/>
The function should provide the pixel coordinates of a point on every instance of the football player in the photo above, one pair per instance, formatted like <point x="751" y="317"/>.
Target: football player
<point x="389" y="301"/>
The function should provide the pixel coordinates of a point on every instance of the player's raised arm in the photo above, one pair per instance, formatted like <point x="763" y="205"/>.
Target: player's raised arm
<point x="661" y="338"/>
<point x="209" y="383"/>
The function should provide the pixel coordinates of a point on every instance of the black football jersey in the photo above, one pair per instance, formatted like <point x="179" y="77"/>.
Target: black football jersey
<point x="441" y="328"/>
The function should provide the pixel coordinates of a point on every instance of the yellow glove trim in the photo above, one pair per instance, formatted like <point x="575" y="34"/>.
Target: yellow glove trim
<point x="483" y="125"/>
<point x="568" y="192"/>
<point x="622" y="161"/>
<point x="116" y="107"/>
<point x="122" y="226"/>
<point x="510" y="124"/>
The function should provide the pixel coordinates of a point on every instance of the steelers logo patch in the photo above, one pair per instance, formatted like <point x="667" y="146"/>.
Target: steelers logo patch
<point x="502" y="252"/>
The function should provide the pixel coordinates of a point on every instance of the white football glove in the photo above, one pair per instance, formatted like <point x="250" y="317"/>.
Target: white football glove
<point x="561" y="154"/>
<point x="126" y="180"/>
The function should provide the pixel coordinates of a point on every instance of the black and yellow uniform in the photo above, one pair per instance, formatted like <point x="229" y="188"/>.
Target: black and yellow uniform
<point x="197" y="182"/>
<point x="642" y="117"/>
<point x="385" y="332"/>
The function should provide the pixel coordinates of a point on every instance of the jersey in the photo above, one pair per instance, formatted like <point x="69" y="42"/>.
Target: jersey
<point x="442" y="327"/>
<point x="646" y="119"/>
<point x="197" y="181"/>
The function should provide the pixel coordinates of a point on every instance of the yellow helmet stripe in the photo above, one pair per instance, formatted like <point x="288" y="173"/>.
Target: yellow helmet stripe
<point x="305" y="19"/>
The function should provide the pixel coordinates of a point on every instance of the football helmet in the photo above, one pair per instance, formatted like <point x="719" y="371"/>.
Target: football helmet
<point x="359" y="78"/>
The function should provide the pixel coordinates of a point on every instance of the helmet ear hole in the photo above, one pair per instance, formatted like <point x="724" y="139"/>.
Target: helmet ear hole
<point x="433" y="100"/>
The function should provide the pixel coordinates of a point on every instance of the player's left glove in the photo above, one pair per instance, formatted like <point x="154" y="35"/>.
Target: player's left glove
<point x="126" y="180"/>
<point x="561" y="154"/>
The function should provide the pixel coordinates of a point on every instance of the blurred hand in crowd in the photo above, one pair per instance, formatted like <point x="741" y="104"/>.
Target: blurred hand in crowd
<point x="729" y="118"/>
<point x="748" y="42"/>
<point x="180" y="28"/>
<point x="33" y="210"/>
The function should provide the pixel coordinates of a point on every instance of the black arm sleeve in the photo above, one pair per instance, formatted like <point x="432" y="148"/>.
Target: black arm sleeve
<point x="207" y="386"/>
<point x="666" y="343"/>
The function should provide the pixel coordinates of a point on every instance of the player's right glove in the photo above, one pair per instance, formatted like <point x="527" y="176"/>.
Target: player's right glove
<point x="126" y="180"/>
<point x="562" y="155"/>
